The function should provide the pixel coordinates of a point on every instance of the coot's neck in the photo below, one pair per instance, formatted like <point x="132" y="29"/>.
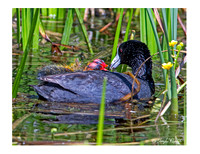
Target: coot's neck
<point x="145" y="72"/>
<point x="135" y="61"/>
<point x="134" y="53"/>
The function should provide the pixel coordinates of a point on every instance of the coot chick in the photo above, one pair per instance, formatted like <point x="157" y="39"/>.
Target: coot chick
<point x="96" y="64"/>
<point x="86" y="86"/>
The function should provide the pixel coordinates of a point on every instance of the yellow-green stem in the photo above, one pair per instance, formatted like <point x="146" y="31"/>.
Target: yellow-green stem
<point x="117" y="34"/>
<point x="101" y="114"/>
<point x="176" y="58"/>
<point x="166" y="85"/>
<point x="174" y="97"/>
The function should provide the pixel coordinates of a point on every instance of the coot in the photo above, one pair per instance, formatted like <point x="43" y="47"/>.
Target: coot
<point x="86" y="86"/>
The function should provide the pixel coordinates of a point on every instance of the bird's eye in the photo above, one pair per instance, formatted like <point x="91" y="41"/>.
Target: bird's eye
<point x="120" y="49"/>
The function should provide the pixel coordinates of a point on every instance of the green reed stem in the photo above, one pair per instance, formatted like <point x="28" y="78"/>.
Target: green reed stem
<point x="169" y="27"/>
<point x="13" y="11"/>
<point x="24" y="56"/>
<point x="101" y="114"/>
<point x="156" y="37"/>
<point x="164" y="42"/>
<point x="84" y="30"/>
<point x="128" y="25"/>
<point x="151" y="42"/>
<point x="117" y="33"/>
<point x="185" y="116"/>
<point x="52" y="11"/>
<point x="44" y="12"/>
<point x="24" y="27"/>
<point x="166" y="86"/>
<point x="124" y="66"/>
<point x="181" y="87"/>
<point x="36" y="33"/>
<point x="143" y="33"/>
<point x="61" y="13"/>
<point x="18" y="25"/>
<point x="174" y="98"/>
<point x="159" y="48"/>
<point x="68" y="27"/>
<point x="137" y="11"/>
<point x="82" y="12"/>
<point x="176" y="59"/>
<point x="174" y="14"/>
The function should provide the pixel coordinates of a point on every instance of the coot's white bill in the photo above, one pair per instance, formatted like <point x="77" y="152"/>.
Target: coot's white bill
<point x="116" y="62"/>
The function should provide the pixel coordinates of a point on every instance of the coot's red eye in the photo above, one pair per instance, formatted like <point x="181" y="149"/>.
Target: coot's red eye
<point x="120" y="49"/>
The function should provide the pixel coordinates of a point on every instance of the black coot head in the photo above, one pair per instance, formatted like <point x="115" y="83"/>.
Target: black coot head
<point x="134" y="53"/>
<point x="129" y="52"/>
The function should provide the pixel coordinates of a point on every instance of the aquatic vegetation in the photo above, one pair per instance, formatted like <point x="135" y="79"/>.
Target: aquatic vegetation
<point x="77" y="34"/>
<point x="172" y="43"/>
<point x="167" y="65"/>
<point x="117" y="33"/>
<point x="101" y="114"/>
<point x="26" y="47"/>
<point x="179" y="47"/>
<point x="68" y="27"/>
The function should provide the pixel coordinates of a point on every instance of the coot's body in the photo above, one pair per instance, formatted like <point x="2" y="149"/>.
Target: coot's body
<point x="86" y="86"/>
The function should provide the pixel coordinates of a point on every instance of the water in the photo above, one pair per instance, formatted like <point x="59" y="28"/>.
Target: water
<point x="34" y="119"/>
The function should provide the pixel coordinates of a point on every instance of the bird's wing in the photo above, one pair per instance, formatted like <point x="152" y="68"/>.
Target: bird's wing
<point x="89" y="83"/>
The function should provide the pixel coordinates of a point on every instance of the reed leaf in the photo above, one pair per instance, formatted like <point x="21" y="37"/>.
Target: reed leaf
<point x="185" y="115"/>
<point x="159" y="48"/>
<point x="24" y="56"/>
<point x="14" y="10"/>
<point x="174" y="14"/>
<point x="124" y="66"/>
<point x="24" y="28"/>
<point x="128" y="25"/>
<point x="156" y="13"/>
<point x="82" y="12"/>
<point x="156" y="37"/>
<point x="151" y="43"/>
<point x="174" y="98"/>
<point x="143" y="33"/>
<point x="146" y="31"/>
<point x="42" y="32"/>
<point x="68" y="27"/>
<point x="169" y="27"/>
<point x="29" y="20"/>
<point x="168" y="15"/>
<point x="80" y="19"/>
<point x="117" y="33"/>
<point x="52" y="12"/>
<point x="163" y="41"/>
<point x="44" y="12"/>
<point x="61" y="13"/>
<point x="137" y="11"/>
<point x="18" y="25"/>
<point x="36" y="33"/>
<point x="101" y="114"/>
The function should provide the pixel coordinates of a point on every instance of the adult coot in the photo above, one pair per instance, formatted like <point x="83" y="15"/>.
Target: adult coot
<point x="86" y="86"/>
